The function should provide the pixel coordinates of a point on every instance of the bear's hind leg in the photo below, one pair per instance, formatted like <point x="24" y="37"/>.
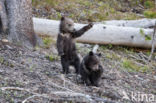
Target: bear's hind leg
<point x="65" y="65"/>
<point x="76" y="64"/>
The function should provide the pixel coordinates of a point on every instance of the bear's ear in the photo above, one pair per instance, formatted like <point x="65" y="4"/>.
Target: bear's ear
<point x="62" y="18"/>
<point x="99" y="54"/>
<point x="91" y="53"/>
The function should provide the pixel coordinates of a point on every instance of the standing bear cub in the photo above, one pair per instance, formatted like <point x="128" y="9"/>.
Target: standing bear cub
<point x="91" y="69"/>
<point x="66" y="43"/>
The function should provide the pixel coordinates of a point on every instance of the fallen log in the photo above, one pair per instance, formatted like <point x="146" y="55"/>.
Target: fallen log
<point x="142" y="23"/>
<point x="100" y="33"/>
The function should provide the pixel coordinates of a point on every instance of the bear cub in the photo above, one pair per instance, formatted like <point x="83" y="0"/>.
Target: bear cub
<point x="91" y="69"/>
<point x="66" y="43"/>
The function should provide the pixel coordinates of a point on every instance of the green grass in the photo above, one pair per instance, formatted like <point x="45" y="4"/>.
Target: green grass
<point x="149" y="4"/>
<point x="113" y="56"/>
<point x="48" y="41"/>
<point x="84" y="10"/>
<point x="147" y="37"/>
<point x="131" y="66"/>
<point x="150" y="14"/>
<point x="1" y="60"/>
<point x="52" y="57"/>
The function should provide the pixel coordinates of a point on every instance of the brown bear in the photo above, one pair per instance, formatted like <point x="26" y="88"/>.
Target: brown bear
<point x="66" y="43"/>
<point x="91" y="69"/>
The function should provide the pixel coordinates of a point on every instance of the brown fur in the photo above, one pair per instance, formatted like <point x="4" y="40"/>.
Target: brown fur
<point x="91" y="70"/>
<point x="66" y="43"/>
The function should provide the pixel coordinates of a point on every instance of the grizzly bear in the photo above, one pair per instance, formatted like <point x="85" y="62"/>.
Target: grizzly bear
<point x="66" y="43"/>
<point x="91" y="69"/>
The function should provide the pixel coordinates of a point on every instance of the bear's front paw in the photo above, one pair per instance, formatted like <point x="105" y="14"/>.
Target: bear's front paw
<point x="90" y="25"/>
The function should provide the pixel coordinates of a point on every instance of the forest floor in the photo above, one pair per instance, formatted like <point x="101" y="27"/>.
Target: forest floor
<point x="36" y="76"/>
<point x="84" y="11"/>
<point x="27" y="73"/>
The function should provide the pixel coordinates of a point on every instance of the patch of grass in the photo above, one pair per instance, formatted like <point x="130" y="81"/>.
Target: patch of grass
<point x="131" y="66"/>
<point x="113" y="56"/>
<point x="142" y="32"/>
<point x="147" y="37"/>
<point x="32" y="67"/>
<point x="149" y="4"/>
<point x="100" y="10"/>
<point x="1" y="60"/>
<point x="103" y="47"/>
<point x="51" y="57"/>
<point x="5" y="62"/>
<point x="130" y="16"/>
<point x="109" y="46"/>
<point x="47" y="41"/>
<point x="87" y="3"/>
<point x="150" y="14"/>
<point x="8" y="97"/>
<point x="108" y="55"/>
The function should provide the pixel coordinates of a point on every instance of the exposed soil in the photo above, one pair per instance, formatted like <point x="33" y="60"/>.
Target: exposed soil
<point x="36" y="76"/>
<point x="31" y="70"/>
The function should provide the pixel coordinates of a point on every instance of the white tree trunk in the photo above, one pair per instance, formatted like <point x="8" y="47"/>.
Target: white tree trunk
<point x="100" y="33"/>
<point x="142" y="23"/>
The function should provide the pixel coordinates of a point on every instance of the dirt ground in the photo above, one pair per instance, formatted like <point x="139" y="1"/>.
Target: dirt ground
<point x="35" y="76"/>
<point x="32" y="76"/>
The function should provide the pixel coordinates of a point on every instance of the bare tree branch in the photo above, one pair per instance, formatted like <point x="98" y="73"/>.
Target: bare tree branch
<point x="153" y="43"/>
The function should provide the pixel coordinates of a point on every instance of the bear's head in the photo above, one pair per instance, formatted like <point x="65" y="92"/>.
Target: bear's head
<point x="66" y="25"/>
<point x="93" y="61"/>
